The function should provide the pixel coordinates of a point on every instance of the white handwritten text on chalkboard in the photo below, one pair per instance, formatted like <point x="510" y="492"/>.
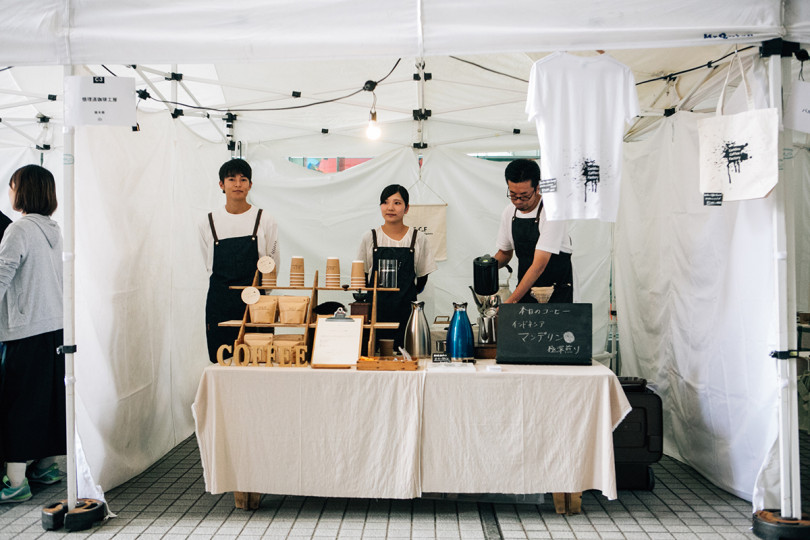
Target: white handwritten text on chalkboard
<point x="545" y="334"/>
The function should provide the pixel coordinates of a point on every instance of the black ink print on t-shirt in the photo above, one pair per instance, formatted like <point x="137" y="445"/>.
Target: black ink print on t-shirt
<point x="590" y="175"/>
<point x="734" y="155"/>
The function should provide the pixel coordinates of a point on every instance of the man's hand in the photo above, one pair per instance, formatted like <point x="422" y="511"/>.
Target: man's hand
<point x="539" y="263"/>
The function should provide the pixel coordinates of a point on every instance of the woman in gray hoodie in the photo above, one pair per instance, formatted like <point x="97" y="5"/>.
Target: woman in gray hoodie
<point x="32" y="388"/>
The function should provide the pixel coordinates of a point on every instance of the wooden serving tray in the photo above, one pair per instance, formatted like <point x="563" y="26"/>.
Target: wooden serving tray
<point x="386" y="363"/>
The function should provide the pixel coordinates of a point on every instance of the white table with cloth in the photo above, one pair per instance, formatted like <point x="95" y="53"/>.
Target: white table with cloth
<point x="398" y="434"/>
<point x="527" y="429"/>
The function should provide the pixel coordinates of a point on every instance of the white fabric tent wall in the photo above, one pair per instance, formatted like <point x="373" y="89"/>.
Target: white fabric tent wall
<point x="138" y="304"/>
<point x="696" y="300"/>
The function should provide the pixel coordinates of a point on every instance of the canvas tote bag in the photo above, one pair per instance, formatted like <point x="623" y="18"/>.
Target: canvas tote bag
<point x="739" y="155"/>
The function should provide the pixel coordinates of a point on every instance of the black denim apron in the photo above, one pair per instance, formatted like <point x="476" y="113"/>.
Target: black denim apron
<point x="234" y="264"/>
<point x="558" y="272"/>
<point x="396" y="306"/>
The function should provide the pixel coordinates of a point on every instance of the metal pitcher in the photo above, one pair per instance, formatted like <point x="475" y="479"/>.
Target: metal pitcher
<point x="487" y="326"/>
<point x="417" y="332"/>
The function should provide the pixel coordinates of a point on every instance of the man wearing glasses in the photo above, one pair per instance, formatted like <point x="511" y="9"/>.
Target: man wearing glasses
<point x="543" y="248"/>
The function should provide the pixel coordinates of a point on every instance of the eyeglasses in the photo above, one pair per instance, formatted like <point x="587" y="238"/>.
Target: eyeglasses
<point x="516" y="197"/>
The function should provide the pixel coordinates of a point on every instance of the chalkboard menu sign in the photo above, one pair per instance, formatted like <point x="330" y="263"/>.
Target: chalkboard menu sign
<point x="545" y="334"/>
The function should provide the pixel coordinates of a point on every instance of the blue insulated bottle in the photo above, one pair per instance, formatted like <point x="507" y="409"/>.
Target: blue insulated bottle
<point x="460" y="335"/>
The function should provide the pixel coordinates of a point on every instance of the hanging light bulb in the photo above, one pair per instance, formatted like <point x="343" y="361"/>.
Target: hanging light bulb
<point x="373" y="129"/>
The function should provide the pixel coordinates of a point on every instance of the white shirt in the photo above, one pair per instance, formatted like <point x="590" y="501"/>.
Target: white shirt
<point x="581" y="105"/>
<point x="424" y="262"/>
<point x="236" y="225"/>
<point x="553" y="238"/>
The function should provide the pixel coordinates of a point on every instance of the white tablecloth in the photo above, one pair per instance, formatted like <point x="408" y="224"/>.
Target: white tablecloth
<point x="347" y="433"/>
<point x="528" y="429"/>
<point x="302" y="431"/>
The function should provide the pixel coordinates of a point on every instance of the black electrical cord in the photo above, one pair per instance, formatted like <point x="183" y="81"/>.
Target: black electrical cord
<point x="198" y="107"/>
<point x="6" y="68"/>
<point x="488" y="69"/>
<point x="708" y="65"/>
<point x="663" y="77"/>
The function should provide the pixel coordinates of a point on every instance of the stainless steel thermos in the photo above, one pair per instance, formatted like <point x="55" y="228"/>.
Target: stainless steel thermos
<point x="460" y="335"/>
<point x="417" y="332"/>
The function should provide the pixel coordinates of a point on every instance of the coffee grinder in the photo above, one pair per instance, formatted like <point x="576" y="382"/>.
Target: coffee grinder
<point x="485" y="293"/>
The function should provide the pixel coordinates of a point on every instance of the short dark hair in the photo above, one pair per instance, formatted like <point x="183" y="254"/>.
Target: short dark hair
<point x="233" y="167"/>
<point x="34" y="190"/>
<point x="392" y="190"/>
<point x="522" y="170"/>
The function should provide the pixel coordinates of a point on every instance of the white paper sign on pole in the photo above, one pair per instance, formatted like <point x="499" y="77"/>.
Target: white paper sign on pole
<point x="99" y="101"/>
<point x="797" y="112"/>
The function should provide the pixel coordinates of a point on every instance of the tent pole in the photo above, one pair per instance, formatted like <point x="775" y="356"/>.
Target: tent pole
<point x="788" y="522"/>
<point x="68" y="296"/>
<point x="786" y="308"/>
<point x="779" y="72"/>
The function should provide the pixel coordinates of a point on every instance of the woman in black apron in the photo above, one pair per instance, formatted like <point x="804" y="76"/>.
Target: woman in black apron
<point x="395" y="306"/>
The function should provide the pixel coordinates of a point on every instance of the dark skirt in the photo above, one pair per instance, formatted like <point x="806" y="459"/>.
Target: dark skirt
<point x="32" y="398"/>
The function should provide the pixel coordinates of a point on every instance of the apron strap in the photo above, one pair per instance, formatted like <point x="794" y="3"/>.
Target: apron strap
<point x="536" y="218"/>
<point x="256" y="226"/>
<point x="213" y="230"/>
<point x="374" y="240"/>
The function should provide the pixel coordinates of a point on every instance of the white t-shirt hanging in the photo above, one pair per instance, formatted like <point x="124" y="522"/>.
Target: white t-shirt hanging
<point x="581" y="105"/>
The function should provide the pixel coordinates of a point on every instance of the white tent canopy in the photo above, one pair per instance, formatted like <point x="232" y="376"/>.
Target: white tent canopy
<point x="140" y="288"/>
<point x="205" y="31"/>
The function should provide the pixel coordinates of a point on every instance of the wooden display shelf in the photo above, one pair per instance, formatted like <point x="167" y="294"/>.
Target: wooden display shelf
<point x="237" y="324"/>
<point x="344" y="289"/>
<point x="378" y="326"/>
<point x="310" y="323"/>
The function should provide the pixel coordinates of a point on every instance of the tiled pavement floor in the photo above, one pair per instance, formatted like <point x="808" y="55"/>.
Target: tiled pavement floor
<point x="169" y="501"/>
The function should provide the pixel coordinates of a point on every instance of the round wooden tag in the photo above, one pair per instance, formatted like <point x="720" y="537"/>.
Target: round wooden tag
<point x="250" y="295"/>
<point x="266" y="264"/>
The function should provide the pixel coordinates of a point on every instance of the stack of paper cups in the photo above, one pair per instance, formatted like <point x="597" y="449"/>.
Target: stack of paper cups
<point x="269" y="279"/>
<point x="297" y="272"/>
<point x="267" y="267"/>
<point x="358" y="275"/>
<point x="333" y="272"/>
